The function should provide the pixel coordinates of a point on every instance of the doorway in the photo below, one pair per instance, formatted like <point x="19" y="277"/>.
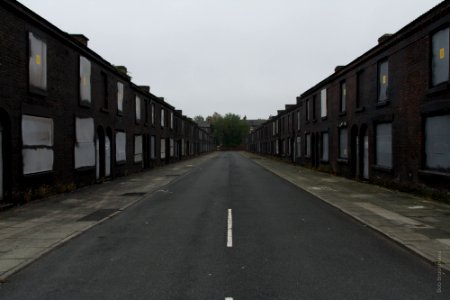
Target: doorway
<point x="100" y="153"/>
<point x="354" y="148"/>
<point x="365" y="153"/>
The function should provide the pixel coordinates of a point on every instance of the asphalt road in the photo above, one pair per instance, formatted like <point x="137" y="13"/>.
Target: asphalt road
<point x="286" y="244"/>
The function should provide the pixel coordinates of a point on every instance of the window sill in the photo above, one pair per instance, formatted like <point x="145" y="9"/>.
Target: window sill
<point x="38" y="91"/>
<point x="44" y="173"/>
<point x="85" y="169"/>
<point x="342" y="161"/>
<point x="84" y="103"/>
<point x="104" y="110"/>
<point x="120" y="163"/>
<point x="120" y="114"/>
<point x="325" y="162"/>
<point x="342" y="113"/>
<point x="324" y="118"/>
<point x="383" y="169"/>
<point x="360" y="109"/>
<point x="383" y="103"/>
<point x="432" y="173"/>
<point x="437" y="89"/>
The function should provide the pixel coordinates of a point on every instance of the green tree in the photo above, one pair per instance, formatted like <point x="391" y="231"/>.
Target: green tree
<point x="229" y="130"/>
<point x="199" y="119"/>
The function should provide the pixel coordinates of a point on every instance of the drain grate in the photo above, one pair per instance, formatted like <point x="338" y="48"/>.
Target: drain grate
<point x="134" y="194"/>
<point x="98" y="214"/>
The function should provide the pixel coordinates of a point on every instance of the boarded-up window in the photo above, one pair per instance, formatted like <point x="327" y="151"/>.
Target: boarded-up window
<point x="383" y="80"/>
<point x="85" y="81"/>
<point x="171" y="120"/>
<point x="137" y="148"/>
<point x="120" y="97"/>
<point x="121" y="146"/>
<point x="439" y="56"/>
<point x="138" y="108"/>
<point x="163" y="148"/>
<point x="37" y="141"/>
<point x="298" y="120"/>
<point x="308" y="144"/>
<point x="343" y="102"/>
<point x="152" y="147"/>
<point x="84" y="143"/>
<point x="343" y="145"/>
<point x="324" y="148"/>
<point x="299" y="146"/>
<point x="437" y="143"/>
<point x="153" y="113"/>
<point x="384" y="145"/>
<point x="162" y="117"/>
<point x="307" y="110"/>
<point x="359" y="89"/>
<point x="38" y="62"/>
<point x="323" y="103"/>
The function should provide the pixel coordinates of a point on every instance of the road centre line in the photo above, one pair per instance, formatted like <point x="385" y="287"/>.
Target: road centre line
<point x="230" y="231"/>
<point x="228" y="298"/>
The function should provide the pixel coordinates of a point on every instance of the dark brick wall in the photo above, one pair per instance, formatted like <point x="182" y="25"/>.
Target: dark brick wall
<point x="411" y="100"/>
<point x="61" y="103"/>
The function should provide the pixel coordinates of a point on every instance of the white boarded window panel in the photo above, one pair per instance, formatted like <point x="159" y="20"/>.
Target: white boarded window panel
<point x="343" y="150"/>
<point x="121" y="143"/>
<point x="171" y="120"/>
<point x="163" y="148"/>
<point x="162" y="117"/>
<point x="85" y="79"/>
<point x="299" y="146"/>
<point x="138" y="108"/>
<point x="84" y="144"/>
<point x="437" y="143"/>
<point x="439" y="57"/>
<point x="37" y="131"/>
<point x="384" y="145"/>
<point x="37" y="160"/>
<point x="38" y="62"/>
<point x="120" y="96"/>
<point x="323" y="103"/>
<point x="325" y="146"/>
<point x="137" y="148"/>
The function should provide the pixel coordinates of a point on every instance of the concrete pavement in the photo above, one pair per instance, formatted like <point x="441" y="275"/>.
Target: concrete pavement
<point x="418" y="224"/>
<point x="30" y="231"/>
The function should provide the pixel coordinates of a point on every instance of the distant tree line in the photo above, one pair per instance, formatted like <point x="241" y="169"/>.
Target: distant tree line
<point x="229" y="130"/>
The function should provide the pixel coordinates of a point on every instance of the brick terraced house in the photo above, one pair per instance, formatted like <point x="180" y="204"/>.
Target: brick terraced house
<point x="384" y="117"/>
<point x="69" y="118"/>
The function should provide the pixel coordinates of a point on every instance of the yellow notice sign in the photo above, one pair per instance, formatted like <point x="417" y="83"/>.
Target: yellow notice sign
<point x="442" y="53"/>
<point x="38" y="59"/>
<point x="384" y="79"/>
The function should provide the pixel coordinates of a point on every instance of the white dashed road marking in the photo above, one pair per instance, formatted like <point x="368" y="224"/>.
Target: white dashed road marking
<point x="230" y="232"/>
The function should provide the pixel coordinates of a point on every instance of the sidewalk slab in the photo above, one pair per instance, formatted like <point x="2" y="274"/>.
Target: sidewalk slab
<point x="418" y="224"/>
<point x="32" y="230"/>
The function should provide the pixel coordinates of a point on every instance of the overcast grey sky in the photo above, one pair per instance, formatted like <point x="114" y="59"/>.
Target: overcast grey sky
<point x="249" y="57"/>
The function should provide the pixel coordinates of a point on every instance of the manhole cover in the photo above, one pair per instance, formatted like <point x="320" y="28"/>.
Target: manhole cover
<point x="98" y="214"/>
<point x="134" y="194"/>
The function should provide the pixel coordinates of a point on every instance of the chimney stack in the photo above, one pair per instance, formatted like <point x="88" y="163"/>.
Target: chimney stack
<point x="384" y="37"/>
<point x="80" y="38"/>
